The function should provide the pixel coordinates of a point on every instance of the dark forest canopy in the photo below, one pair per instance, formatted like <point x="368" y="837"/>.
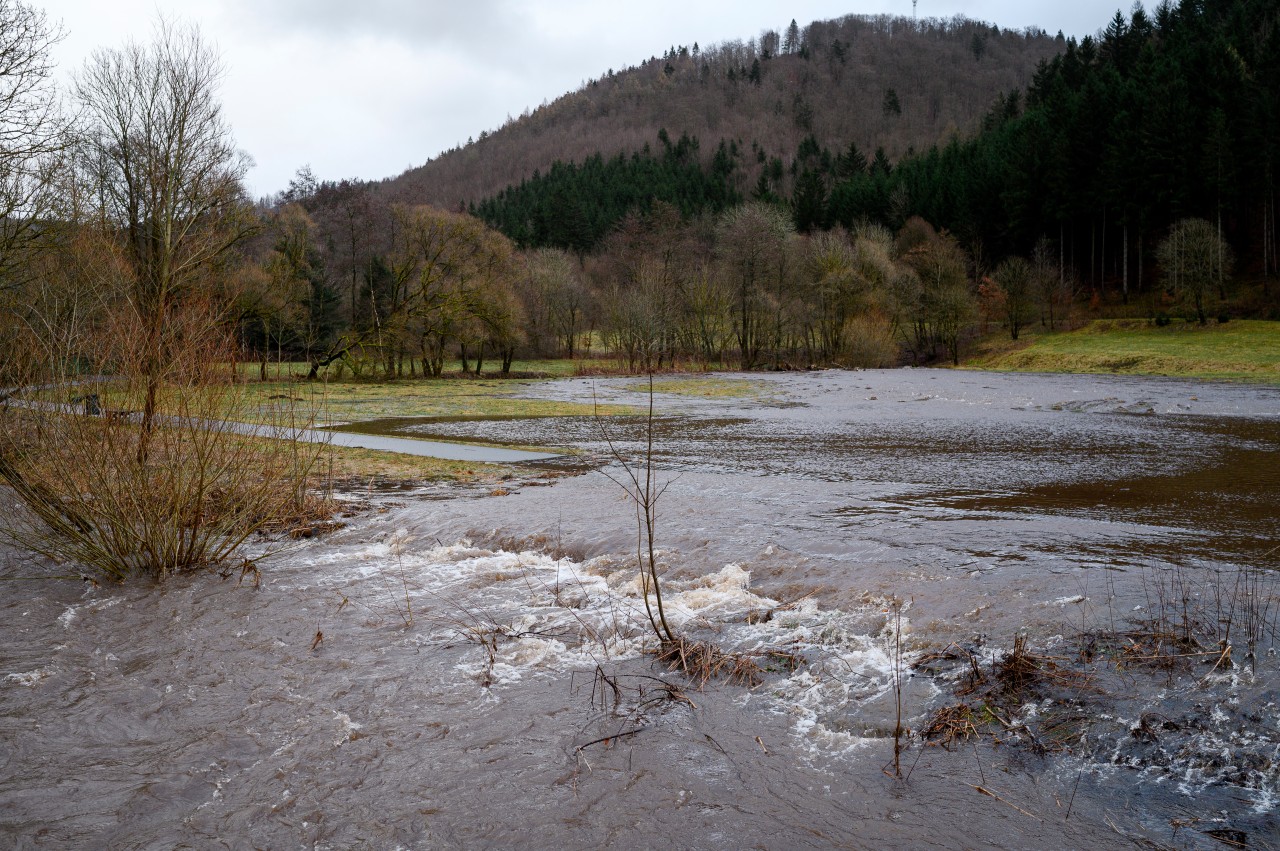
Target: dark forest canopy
<point x="1165" y="117"/>
<point x="575" y="207"/>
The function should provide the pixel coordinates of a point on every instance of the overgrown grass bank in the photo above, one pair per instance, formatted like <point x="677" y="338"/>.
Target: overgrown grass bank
<point x="291" y="400"/>
<point x="352" y="467"/>
<point x="354" y="401"/>
<point x="1241" y="350"/>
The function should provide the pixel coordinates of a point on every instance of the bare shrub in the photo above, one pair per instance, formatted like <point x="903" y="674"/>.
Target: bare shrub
<point x="872" y="344"/>
<point x="701" y="661"/>
<point x="205" y="485"/>
<point x="639" y="482"/>
<point x="124" y="445"/>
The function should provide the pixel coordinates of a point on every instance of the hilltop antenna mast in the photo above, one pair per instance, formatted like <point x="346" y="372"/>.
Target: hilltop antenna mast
<point x="913" y="10"/>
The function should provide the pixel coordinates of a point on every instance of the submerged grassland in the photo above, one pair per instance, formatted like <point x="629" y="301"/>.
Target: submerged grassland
<point x="710" y="387"/>
<point x="1241" y="350"/>
<point x="353" y="466"/>
<point x="290" y="400"/>
<point x="354" y="401"/>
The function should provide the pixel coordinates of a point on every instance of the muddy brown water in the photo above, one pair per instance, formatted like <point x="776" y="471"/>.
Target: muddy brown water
<point x="427" y="676"/>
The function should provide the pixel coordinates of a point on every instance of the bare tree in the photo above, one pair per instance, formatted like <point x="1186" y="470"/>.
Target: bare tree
<point x="1054" y="288"/>
<point x="485" y="280"/>
<point x="1015" y="278"/>
<point x="556" y="300"/>
<point x="834" y="285"/>
<point x="167" y="175"/>
<point x="649" y="258"/>
<point x="752" y="243"/>
<point x="433" y="249"/>
<point x="934" y="301"/>
<point x="279" y="301"/>
<point x="707" y="302"/>
<point x="31" y="135"/>
<point x="1194" y="259"/>
<point x="138" y="285"/>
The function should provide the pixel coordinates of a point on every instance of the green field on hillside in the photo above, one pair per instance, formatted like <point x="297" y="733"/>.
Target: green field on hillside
<point x="1243" y="350"/>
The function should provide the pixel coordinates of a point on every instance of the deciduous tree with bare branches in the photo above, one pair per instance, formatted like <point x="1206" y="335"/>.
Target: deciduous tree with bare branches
<point x="32" y="135"/>
<point x="163" y="164"/>
<point x="133" y="292"/>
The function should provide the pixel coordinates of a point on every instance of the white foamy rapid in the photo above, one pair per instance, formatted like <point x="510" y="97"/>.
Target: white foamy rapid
<point x="529" y="614"/>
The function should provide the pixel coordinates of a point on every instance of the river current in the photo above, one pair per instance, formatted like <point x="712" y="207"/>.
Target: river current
<point x="468" y="667"/>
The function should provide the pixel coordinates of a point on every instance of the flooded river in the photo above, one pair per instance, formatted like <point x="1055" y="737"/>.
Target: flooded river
<point x="468" y="668"/>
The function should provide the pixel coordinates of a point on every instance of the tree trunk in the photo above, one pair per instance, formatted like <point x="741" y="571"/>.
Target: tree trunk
<point x="1062" y="267"/>
<point x="151" y="371"/>
<point x="1093" y="253"/>
<point x="1222" y="285"/>
<point x="1102" y="255"/>
<point x="1138" y="281"/>
<point x="1125" y="261"/>
<point x="148" y="417"/>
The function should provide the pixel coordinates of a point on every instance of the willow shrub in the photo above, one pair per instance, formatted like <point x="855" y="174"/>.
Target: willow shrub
<point x="98" y="490"/>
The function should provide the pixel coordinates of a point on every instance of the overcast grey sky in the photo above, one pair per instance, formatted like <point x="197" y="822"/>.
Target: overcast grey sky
<point x="369" y="88"/>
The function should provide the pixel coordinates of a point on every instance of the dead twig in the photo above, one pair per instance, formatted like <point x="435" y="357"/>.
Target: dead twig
<point x="606" y="740"/>
<point x="985" y="791"/>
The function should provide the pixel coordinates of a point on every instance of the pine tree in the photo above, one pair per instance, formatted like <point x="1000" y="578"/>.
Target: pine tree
<point x="791" y="41"/>
<point x="890" y="105"/>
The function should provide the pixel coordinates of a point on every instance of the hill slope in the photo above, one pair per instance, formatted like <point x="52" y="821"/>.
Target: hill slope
<point x="877" y="81"/>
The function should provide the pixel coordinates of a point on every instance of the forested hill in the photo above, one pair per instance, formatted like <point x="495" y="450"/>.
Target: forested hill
<point x="1164" y="117"/>
<point x="1160" y="118"/>
<point x="872" y="81"/>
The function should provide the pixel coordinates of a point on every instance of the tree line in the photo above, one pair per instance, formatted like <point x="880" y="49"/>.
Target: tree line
<point x="398" y="291"/>
<point x="1164" y="117"/>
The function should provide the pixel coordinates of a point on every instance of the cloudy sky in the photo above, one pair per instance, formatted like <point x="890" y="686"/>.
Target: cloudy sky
<point x="369" y="88"/>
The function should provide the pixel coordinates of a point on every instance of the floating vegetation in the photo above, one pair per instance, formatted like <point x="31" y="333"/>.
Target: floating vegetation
<point x="1183" y="692"/>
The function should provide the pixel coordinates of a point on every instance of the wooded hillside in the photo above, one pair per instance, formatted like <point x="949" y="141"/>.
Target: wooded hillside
<point x="874" y="81"/>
